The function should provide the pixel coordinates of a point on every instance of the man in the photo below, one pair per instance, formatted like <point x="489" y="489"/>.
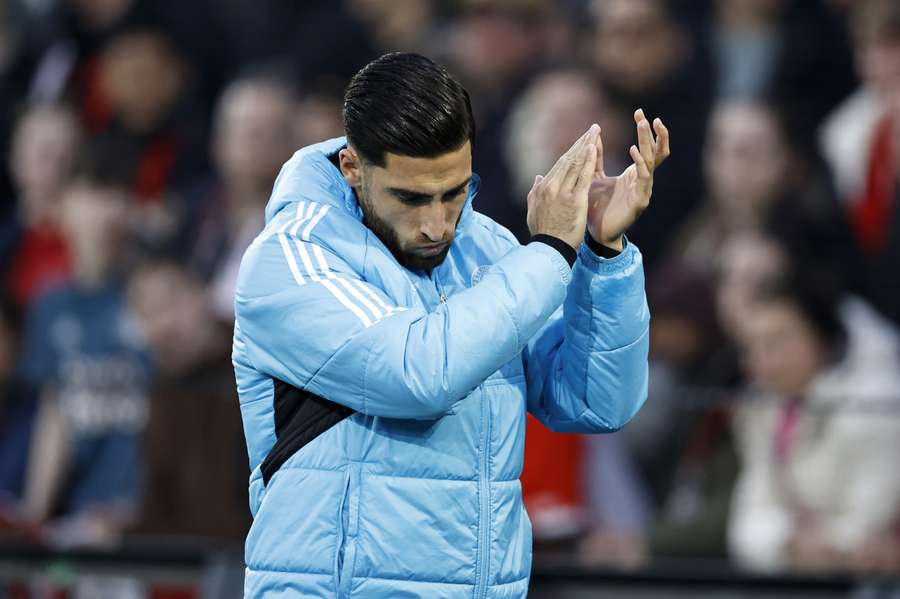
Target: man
<point x="388" y="340"/>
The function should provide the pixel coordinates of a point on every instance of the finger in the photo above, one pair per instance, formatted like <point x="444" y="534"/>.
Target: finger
<point x="529" y="199"/>
<point x="645" y="139"/>
<point x="576" y="166"/>
<point x="639" y="163"/>
<point x="662" y="141"/>
<point x="571" y="162"/>
<point x="598" y="169"/>
<point x="565" y="160"/>
<point x="586" y="176"/>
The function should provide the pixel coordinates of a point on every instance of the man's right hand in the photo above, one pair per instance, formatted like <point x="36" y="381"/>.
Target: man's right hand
<point x="558" y="201"/>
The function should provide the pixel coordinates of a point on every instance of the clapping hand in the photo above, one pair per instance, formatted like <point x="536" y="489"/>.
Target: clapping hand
<point x="614" y="203"/>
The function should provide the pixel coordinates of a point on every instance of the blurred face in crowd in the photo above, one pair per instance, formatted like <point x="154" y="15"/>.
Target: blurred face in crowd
<point x="43" y="148"/>
<point x="395" y="22"/>
<point x="636" y="44"/>
<point x="747" y="261"/>
<point x="172" y="311"/>
<point x="557" y="108"/>
<point x="781" y="350"/>
<point x="497" y="41"/>
<point x="413" y="204"/>
<point x="143" y="77"/>
<point x="254" y="134"/>
<point x="878" y="63"/>
<point x="745" y="160"/>
<point x="93" y="220"/>
<point x="98" y="14"/>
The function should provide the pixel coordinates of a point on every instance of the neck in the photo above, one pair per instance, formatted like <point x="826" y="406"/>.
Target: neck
<point x="91" y="267"/>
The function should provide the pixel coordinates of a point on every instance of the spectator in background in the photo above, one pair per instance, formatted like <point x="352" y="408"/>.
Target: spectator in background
<point x="58" y="54"/>
<point x="198" y="485"/>
<point x="747" y="40"/>
<point x="253" y="137"/>
<point x="818" y="432"/>
<point x="757" y="179"/>
<point x="34" y="253"/>
<point x="143" y="99"/>
<point x="84" y="354"/>
<point x="398" y="25"/>
<point x="780" y="49"/>
<point x="646" y="58"/>
<point x="497" y="46"/>
<point x="868" y="166"/>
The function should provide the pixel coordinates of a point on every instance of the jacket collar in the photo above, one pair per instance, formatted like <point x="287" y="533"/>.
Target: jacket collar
<point x="310" y="172"/>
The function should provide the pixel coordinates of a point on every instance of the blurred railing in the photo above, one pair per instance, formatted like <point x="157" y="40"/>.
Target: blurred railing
<point x="180" y="569"/>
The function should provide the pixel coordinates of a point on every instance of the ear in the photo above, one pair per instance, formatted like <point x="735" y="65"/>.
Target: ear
<point x="351" y="167"/>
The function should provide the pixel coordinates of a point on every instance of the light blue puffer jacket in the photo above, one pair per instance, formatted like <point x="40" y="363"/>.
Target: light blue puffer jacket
<point x="416" y="493"/>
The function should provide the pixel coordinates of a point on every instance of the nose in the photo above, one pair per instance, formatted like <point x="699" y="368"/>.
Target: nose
<point x="434" y="222"/>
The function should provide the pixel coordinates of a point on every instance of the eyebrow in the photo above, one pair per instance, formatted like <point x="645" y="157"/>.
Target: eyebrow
<point x="407" y="195"/>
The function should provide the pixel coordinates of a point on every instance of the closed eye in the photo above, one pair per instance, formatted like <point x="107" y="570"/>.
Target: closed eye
<point x="413" y="198"/>
<point x="455" y="192"/>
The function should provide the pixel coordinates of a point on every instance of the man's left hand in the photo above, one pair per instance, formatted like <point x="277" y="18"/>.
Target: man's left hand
<point x="616" y="202"/>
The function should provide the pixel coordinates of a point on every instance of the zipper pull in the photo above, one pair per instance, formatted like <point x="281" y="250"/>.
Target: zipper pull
<point x="443" y="299"/>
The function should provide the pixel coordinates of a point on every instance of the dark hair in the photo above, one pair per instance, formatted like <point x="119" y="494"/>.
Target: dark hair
<point x="815" y="297"/>
<point x="406" y="104"/>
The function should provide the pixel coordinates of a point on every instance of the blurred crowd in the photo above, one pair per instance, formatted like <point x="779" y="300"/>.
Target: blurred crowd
<point x="139" y="140"/>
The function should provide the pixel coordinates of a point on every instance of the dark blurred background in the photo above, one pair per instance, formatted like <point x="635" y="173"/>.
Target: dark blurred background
<point x="139" y="140"/>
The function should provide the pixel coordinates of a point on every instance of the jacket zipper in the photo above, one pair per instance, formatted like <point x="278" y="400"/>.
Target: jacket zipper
<point x="484" y="547"/>
<point x="481" y="568"/>
<point x="437" y="284"/>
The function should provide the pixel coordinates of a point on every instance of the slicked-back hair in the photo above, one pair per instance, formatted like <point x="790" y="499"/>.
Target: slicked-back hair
<point x="406" y="104"/>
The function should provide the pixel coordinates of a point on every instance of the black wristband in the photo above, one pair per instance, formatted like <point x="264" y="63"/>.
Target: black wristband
<point x="567" y="251"/>
<point x="600" y="249"/>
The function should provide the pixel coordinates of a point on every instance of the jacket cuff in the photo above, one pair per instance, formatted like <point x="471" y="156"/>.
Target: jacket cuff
<point x="600" y="264"/>
<point x="556" y="259"/>
<point x="566" y="250"/>
<point x="602" y="250"/>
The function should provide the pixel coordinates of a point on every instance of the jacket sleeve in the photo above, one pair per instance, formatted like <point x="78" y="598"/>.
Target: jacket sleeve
<point x="303" y="316"/>
<point x="587" y="367"/>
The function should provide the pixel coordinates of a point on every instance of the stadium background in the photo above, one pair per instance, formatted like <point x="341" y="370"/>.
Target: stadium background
<point x="139" y="140"/>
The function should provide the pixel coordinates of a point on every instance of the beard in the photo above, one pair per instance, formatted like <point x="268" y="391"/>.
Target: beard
<point x="388" y="236"/>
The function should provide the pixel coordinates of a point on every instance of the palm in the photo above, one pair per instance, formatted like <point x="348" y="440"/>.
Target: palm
<point x="614" y="203"/>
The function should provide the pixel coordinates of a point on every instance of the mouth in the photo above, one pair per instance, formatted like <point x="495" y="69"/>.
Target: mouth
<point x="431" y="250"/>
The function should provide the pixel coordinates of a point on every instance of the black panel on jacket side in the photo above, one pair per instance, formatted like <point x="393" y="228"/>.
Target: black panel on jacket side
<point x="300" y="417"/>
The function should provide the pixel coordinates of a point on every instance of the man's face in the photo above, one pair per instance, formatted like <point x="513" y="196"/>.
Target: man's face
<point x="413" y="204"/>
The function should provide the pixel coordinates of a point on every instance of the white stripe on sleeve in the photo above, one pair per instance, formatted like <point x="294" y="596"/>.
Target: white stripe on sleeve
<point x="288" y="254"/>
<point x="330" y="286"/>
<point x="351" y="293"/>
<point x="322" y="211"/>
